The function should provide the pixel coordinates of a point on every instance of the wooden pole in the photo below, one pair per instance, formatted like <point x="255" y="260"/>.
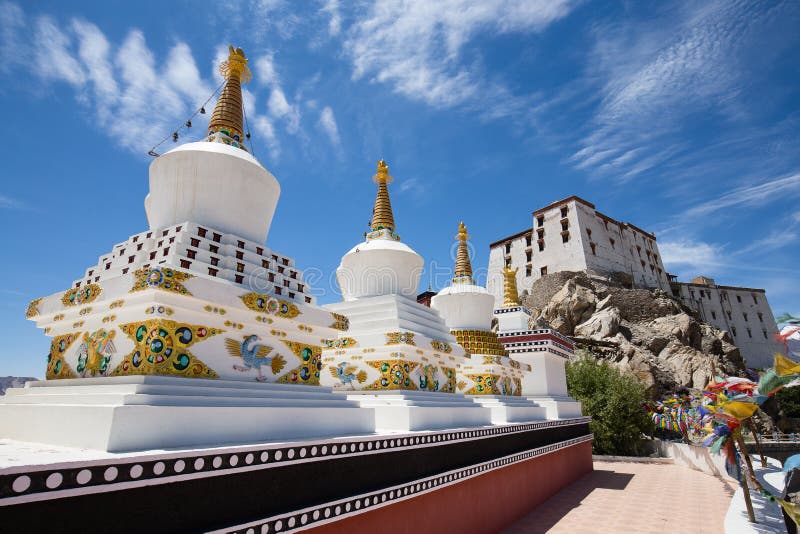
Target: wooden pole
<point x="758" y="444"/>
<point x="751" y="516"/>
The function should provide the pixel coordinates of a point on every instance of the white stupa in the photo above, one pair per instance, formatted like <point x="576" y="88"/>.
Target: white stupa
<point x="398" y="356"/>
<point x="192" y="332"/>
<point x="489" y="376"/>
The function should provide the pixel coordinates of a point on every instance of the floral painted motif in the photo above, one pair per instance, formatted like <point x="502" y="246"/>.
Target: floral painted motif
<point x="340" y="322"/>
<point x="340" y="343"/>
<point x="311" y="364"/>
<point x="485" y="384"/>
<point x="161" y="278"/>
<point x="162" y="348"/>
<point x="33" y="308"/>
<point x="395" y="374"/>
<point x="81" y="295"/>
<point x="441" y="346"/>
<point x="268" y="304"/>
<point x="400" y="338"/>
<point x="57" y="366"/>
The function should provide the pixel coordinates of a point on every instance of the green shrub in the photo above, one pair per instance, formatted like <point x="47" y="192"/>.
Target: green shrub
<point x="614" y="402"/>
<point x="789" y="401"/>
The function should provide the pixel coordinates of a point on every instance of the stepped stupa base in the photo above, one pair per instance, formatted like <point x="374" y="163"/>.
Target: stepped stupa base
<point x="403" y="411"/>
<point x="506" y="409"/>
<point x="134" y="413"/>
<point x="558" y="407"/>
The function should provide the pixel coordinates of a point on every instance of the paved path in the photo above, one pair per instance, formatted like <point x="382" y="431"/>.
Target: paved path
<point x="633" y="498"/>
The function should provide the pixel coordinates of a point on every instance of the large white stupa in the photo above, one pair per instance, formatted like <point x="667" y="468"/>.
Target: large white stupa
<point x="193" y="331"/>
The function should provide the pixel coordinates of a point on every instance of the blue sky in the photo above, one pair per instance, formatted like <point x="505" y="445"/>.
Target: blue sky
<point x="680" y="117"/>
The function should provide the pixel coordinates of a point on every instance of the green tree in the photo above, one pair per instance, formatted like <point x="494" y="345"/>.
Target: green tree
<point x="614" y="402"/>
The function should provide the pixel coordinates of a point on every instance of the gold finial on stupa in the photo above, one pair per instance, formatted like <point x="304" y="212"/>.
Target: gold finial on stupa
<point x="463" y="273"/>
<point x="382" y="217"/>
<point x="510" y="294"/>
<point x="226" y="124"/>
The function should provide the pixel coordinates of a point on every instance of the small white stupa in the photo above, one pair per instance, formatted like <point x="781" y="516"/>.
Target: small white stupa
<point x="489" y="376"/>
<point x="398" y="356"/>
<point x="544" y="350"/>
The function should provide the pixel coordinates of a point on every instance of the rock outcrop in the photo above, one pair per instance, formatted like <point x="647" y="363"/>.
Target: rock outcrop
<point x="643" y="332"/>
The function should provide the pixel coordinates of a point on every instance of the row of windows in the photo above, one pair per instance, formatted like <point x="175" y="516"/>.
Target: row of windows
<point x="730" y="315"/>
<point x="723" y="296"/>
<point x="749" y="332"/>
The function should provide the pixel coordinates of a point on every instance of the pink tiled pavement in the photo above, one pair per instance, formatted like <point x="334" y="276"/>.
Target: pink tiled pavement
<point x="627" y="497"/>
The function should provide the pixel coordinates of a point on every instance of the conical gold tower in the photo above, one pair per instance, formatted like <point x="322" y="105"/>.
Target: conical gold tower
<point x="463" y="273"/>
<point x="226" y="124"/>
<point x="510" y="293"/>
<point x="382" y="217"/>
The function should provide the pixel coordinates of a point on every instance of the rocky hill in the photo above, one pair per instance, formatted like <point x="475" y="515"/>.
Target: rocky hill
<point x="646" y="333"/>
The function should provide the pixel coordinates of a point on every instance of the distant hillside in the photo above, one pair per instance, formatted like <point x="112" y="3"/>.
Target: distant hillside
<point x="13" y="382"/>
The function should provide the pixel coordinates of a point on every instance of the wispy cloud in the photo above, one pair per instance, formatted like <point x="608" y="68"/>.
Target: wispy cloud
<point x="8" y="203"/>
<point x="331" y="8"/>
<point x="327" y="121"/>
<point x="783" y="187"/>
<point x="688" y="253"/>
<point x="416" y="47"/>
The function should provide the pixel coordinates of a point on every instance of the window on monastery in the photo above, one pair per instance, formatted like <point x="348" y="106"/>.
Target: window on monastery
<point x="201" y="232"/>
<point x="605" y="223"/>
<point x="690" y="291"/>
<point x="260" y="251"/>
<point x="265" y="264"/>
<point x="280" y="269"/>
<point x="528" y="270"/>
<point x="594" y="248"/>
<point x="131" y="258"/>
<point x="191" y="253"/>
<point x="149" y="235"/>
<point x="543" y="270"/>
<point x="96" y="278"/>
<point x="745" y="316"/>
<point x="755" y="300"/>
<point x="738" y="298"/>
<point x="564" y="226"/>
<point x="165" y="232"/>
<point x="125" y="270"/>
<point x="612" y="242"/>
<point x="213" y="248"/>
<point x="139" y="246"/>
<point x="749" y="333"/>
<point x="508" y="262"/>
<point x="589" y="232"/>
<point x="765" y="334"/>
<point x="733" y="331"/>
<point x="293" y="275"/>
<point x="195" y="242"/>
<point x="563" y="212"/>
<point x="214" y="261"/>
<point x="166" y="251"/>
<point x="639" y="250"/>
<point x="724" y="296"/>
<point x="291" y="295"/>
<point x="730" y="317"/>
<point x="761" y="317"/>
<point x="212" y="271"/>
<point x="91" y="271"/>
<point x="121" y="252"/>
<point x="172" y="239"/>
<point x="300" y="287"/>
<point x="153" y="255"/>
<point x="239" y="278"/>
<point x="160" y="243"/>
<point x="271" y="277"/>
<point x="240" y="267"/>
<point x="540" y="233"/>
<point x="277" y="290"/>
<point x="564" y="237"/>
<point x="285" y="261"/>
<point x="540" y="221"/>
<point x="77" y="284"/>
<point x="178" y="228"/>
<point x="308" y="300"/>
<point x="541" y="244"/>
<point x="286" y="283"/>
<point x="135" y="238"/>
<point x="508" y="248"/>
<point x="185" y="264"/>
<point x="240" y="244"/>
<point x="714" y="315"/>
<point x="108" y="266"/>
<point x="274" y="257"/>
<point x="217" y="237"/>
<point x="528" y="255"/>
<point x="239" y="255"/>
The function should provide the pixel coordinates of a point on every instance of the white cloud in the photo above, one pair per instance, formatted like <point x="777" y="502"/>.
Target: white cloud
<point x="796" y="217"/>
<point x="8" y="203"/>
<point x="331" y="8"/>
<point x="280" y="108"/>
<point x="416" y="46"/>
<point x="93" y="51"/>
<point x="775" y="240"/>
<point x="688" y="253"/>
<point x="54" y="57"/>
<point x="327" y="122"/>
<point x="12" y="23"/>
<point x="265" y="70"/>
<point x="782" y="187"/>
<point x="263" y="127"/>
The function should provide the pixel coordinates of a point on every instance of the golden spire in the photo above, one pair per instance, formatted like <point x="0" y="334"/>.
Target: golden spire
<point x="226" y="121"/>
<point x="463" y="272"/>
<point x="382" y="217"/>
<point x="510" y="294"/>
